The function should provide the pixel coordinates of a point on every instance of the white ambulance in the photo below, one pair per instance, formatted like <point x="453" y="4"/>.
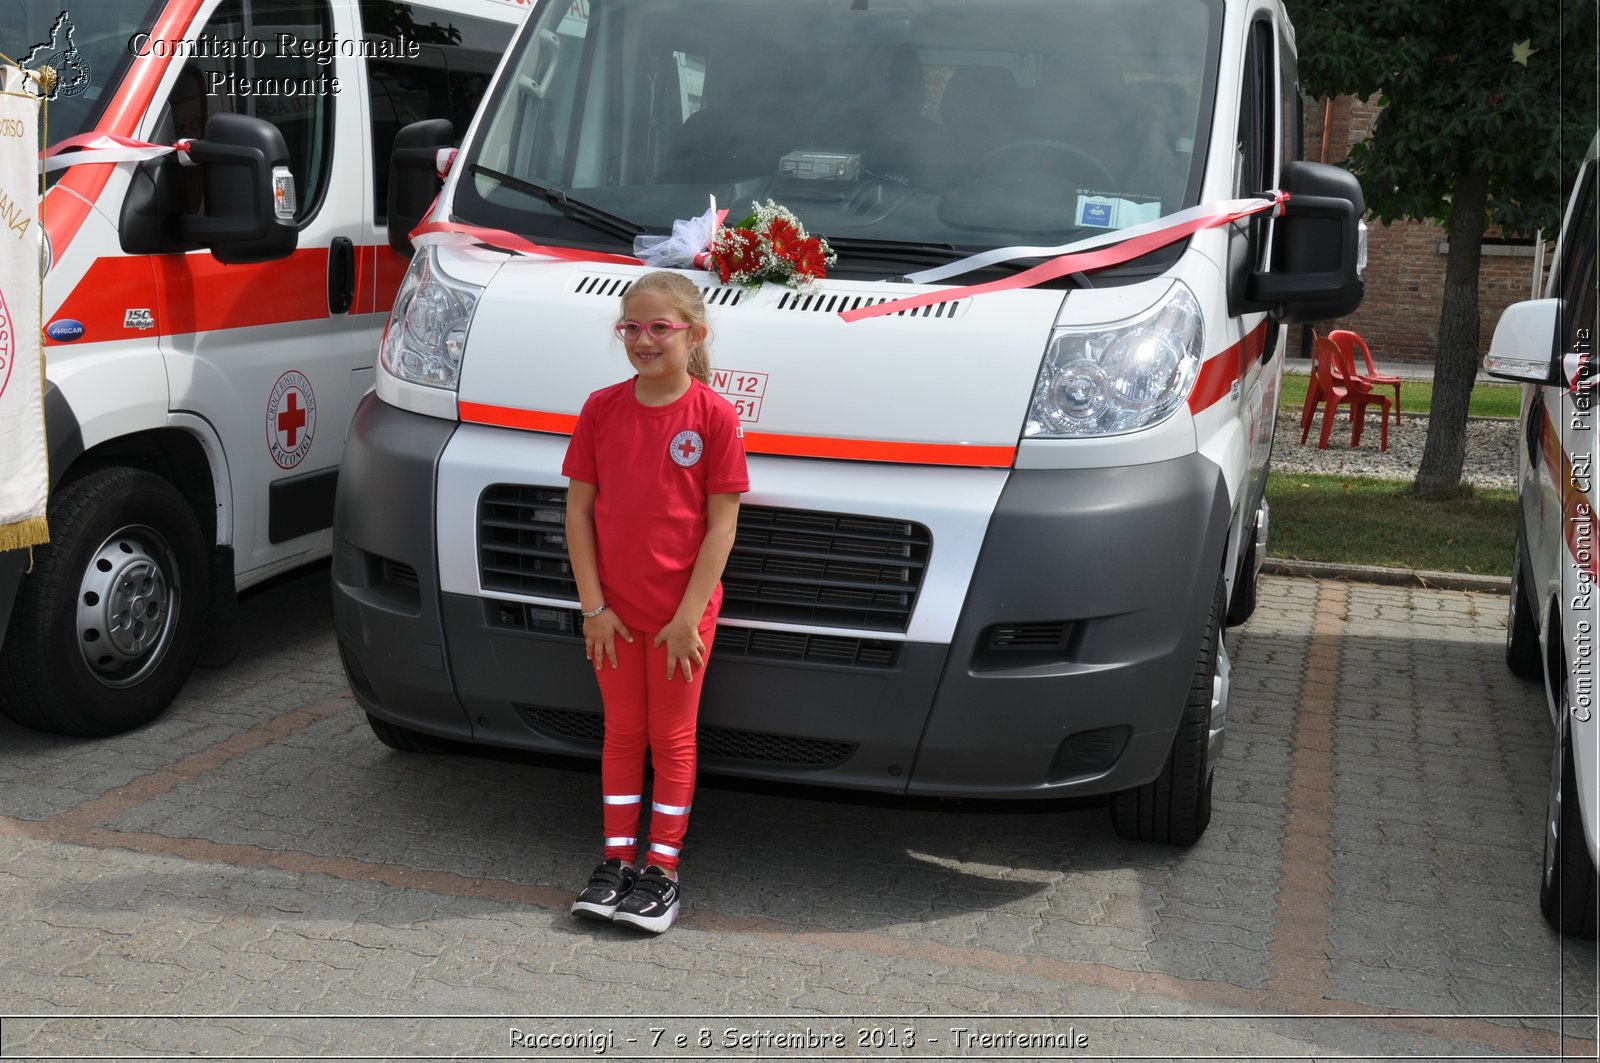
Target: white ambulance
<point x="995" y="534"/>
<point x="204" y="350"/>
<point x="1551" y="628"/>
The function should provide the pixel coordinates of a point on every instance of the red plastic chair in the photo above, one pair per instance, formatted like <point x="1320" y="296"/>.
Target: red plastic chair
<point x="1335" y="389"/>
<point x="1348" y="343"/>
<point x="1314" y="392"/>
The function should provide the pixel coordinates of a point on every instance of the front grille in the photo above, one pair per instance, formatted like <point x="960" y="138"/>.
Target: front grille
<point x="789" y="565"/>
<point x="743" y="642"/>
<point x="798" y="646"/>
<point x="826" y="569"/>
<point x="588" y="728"/>
<point x="522" y="541"/>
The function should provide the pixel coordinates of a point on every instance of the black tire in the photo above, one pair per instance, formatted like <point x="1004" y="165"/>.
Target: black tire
<point x="1522" y="630"/>
<point x="405" y="739"/>
<point x="1175" y="807"/>
<point x="1568" y="890"/>
<point x="105" y="629"/>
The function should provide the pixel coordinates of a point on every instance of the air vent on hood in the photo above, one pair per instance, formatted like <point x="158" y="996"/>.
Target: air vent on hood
<point x="613" y="287"/>
<point x="839" y="304"/>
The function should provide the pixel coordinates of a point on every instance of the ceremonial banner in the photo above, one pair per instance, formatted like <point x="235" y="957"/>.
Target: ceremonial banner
<point x="24" y="473"/>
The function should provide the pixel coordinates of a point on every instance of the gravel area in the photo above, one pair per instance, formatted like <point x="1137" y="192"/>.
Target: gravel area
<point x="1491" y="449"/>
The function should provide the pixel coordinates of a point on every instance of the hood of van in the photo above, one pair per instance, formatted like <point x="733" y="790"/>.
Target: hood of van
<point x="943" y="384"/>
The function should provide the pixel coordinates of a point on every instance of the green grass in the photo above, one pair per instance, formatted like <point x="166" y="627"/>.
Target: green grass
<point x="1416" y="396"/>
<point x="1354" y="520"/>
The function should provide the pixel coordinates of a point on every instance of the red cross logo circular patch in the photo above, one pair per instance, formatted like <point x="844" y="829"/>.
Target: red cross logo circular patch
<point x="291" y="419"/>
<point x="687" y="446"/>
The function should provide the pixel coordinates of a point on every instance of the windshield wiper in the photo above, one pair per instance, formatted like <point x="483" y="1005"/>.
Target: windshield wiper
<point x="575" y="209"/>
<point x="927" y="254"/>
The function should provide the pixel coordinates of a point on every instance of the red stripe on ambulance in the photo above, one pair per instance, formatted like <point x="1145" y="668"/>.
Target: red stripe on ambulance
<point x="975" y="455"/>
<point x="1218" y="373"/>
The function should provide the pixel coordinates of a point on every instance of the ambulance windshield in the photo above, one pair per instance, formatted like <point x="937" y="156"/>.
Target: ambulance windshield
<point x="86" y="43"/>
<point x="888" y="126"/>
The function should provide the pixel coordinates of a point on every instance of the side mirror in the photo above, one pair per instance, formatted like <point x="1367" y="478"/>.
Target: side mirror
<point x="247" y="197"/>
<point x="1524" y="344"/>
<point x="1318" y="249"/>
<point x="414" y="177"/>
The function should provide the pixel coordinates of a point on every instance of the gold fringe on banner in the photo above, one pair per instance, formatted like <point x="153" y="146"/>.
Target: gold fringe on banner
<point x="30" y="532"/>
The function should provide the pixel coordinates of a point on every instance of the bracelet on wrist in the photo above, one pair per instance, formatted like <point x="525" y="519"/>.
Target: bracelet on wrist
<point x="590" y="614"/>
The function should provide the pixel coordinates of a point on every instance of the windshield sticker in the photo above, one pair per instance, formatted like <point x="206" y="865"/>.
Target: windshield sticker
<point x="1100" y="211"/>
<point x="63" y="69"/>
<point x="743" y="390"/>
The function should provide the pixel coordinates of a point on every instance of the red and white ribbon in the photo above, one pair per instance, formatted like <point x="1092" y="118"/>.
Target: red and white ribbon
<point x="454" y="233"/>
<point x="107" y="147"/>
<point x="1098" y="252"/>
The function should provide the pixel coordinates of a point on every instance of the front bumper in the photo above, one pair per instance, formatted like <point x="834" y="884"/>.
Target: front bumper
<point x="1050" y="650"/>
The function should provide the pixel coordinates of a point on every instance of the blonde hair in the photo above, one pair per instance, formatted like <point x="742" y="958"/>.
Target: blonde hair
<point x="687" y="300"/>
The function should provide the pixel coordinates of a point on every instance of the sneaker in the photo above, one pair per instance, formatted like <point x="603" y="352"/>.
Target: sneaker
<point x="608" y="885"/>
<point x="652" y="904"/>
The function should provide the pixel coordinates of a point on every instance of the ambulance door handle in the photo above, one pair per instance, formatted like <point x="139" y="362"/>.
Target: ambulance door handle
<point x="341" y="275"/>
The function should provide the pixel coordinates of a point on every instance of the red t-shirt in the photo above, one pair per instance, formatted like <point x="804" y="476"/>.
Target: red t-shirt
<point x="653" y="467"/>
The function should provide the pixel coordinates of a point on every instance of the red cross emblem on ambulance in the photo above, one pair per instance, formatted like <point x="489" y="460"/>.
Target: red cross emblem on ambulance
<point x="291" y="419"/>
<point x="687" y="446"/>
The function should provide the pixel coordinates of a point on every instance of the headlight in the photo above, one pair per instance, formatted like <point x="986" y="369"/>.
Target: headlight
<point x="427" y="330"/>
<point x="1122" y="377"/>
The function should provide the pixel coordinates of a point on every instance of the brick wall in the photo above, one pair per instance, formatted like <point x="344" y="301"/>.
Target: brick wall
<point x="1399" y="318"/>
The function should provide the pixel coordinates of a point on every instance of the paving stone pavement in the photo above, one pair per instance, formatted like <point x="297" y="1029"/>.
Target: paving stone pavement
<point x="255" y="876"/>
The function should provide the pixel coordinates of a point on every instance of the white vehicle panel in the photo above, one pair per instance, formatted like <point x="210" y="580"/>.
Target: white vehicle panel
<point x="963" y="379"/>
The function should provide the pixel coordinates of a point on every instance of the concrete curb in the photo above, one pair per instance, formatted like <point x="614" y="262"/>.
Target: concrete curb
<point x="1398" y="577"/>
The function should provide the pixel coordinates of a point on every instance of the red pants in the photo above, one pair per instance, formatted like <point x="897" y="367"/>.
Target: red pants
<point x="645" y="709"/>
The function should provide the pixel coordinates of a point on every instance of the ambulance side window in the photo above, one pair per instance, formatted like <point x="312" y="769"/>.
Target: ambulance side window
<point x="1254" y="161"/>
<point x="1291" y="105"/>
<point x="423" y="62"/>
<point x="1578" y="282"/>
<point x="290" y="87"/>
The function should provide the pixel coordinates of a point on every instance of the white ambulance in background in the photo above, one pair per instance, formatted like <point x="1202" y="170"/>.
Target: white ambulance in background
<point x="203" y="356"/>
<point x="1549" y="345"/>
<point x="993" y="542"/>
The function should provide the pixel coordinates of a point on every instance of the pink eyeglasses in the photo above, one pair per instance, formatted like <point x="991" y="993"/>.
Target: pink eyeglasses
<point x="659" y="329"/>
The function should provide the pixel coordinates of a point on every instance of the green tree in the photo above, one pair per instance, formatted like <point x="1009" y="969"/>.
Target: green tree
<point x="1488" y="106"/>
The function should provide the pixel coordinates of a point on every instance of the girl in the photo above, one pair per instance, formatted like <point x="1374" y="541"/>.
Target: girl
<point x="655" y="467"/>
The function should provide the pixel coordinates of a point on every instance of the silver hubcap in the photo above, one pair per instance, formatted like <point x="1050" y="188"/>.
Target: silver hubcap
<point x="1220" y="681"/>
<point x="127" y="606"/>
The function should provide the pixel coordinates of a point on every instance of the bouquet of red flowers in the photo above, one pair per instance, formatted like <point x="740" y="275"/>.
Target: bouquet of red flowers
<point x="769" y="245"/>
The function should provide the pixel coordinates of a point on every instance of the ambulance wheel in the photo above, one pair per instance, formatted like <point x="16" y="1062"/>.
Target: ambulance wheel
<point x="404" y="738"/>
<point x="1175" y="807"/>
<point x="1522" y="630"/>
<point x="105" y="629"/>
<point x="1568" y="888"/>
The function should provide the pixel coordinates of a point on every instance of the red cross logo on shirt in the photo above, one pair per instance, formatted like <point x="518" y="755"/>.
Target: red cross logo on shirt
<point x="686" y="448"/>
